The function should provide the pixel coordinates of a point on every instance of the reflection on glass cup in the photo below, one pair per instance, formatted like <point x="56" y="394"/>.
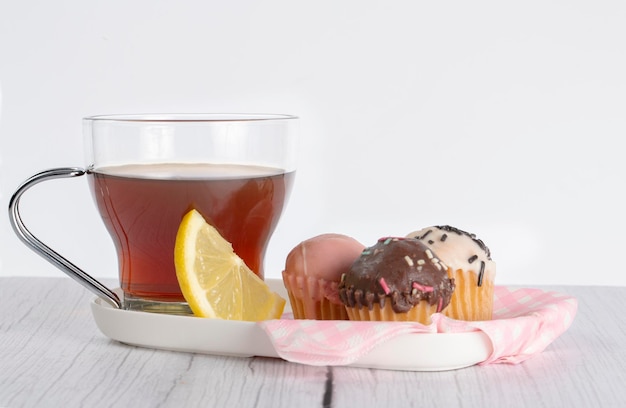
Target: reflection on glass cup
<point x="147" y="171"/>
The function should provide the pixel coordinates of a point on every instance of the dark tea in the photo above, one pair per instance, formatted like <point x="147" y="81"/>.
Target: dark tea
<point x="143" y="205"/>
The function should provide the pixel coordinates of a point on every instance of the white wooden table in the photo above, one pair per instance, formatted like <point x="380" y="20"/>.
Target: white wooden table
<point x="53" y="355"/>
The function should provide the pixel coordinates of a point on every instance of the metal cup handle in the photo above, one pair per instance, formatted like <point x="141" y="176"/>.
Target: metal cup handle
<point x="46" y="252"/>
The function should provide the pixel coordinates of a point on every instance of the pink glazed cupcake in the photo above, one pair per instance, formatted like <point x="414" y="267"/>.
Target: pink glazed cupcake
<point x="312" y="274"/>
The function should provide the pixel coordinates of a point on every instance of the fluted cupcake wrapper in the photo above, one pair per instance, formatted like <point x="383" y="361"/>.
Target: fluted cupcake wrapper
<point x="419" y="313"/>
<point x="312" y="298"/>
<point x="469" y="301"/>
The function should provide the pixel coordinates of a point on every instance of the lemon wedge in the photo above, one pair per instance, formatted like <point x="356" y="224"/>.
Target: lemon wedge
<point x="215" y="282"/>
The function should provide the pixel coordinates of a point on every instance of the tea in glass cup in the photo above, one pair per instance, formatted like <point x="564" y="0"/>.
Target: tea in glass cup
<point x="147" y="171"/>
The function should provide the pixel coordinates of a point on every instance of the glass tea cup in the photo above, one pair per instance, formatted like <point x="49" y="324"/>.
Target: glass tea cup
<point x="146" y="172"/>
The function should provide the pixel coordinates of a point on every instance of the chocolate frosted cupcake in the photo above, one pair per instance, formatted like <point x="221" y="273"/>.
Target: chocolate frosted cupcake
<point x="398" y="279"/>
<point x="471" y="267"/>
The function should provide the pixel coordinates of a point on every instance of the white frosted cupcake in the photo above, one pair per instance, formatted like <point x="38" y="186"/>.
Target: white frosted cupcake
<point x="469" y="264"/>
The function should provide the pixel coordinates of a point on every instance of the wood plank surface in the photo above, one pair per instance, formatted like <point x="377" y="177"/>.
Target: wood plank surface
<point x="52" y="354"/>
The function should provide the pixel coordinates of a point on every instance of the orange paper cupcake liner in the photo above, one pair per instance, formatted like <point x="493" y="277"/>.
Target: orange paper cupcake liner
<point x="420" y="313"/>
<point x="322" y="310"/>
<point x="313" y="298"/>
<point x="469" y="301"/>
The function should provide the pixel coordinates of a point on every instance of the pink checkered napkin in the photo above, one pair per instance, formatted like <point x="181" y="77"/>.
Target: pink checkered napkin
<point x="525" y="322"/>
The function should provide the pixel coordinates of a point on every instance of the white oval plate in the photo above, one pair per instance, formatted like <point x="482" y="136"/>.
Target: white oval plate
<point x="409" y="352"/>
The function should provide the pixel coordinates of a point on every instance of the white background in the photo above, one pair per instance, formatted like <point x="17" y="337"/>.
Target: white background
<point x="501" y="118"/>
